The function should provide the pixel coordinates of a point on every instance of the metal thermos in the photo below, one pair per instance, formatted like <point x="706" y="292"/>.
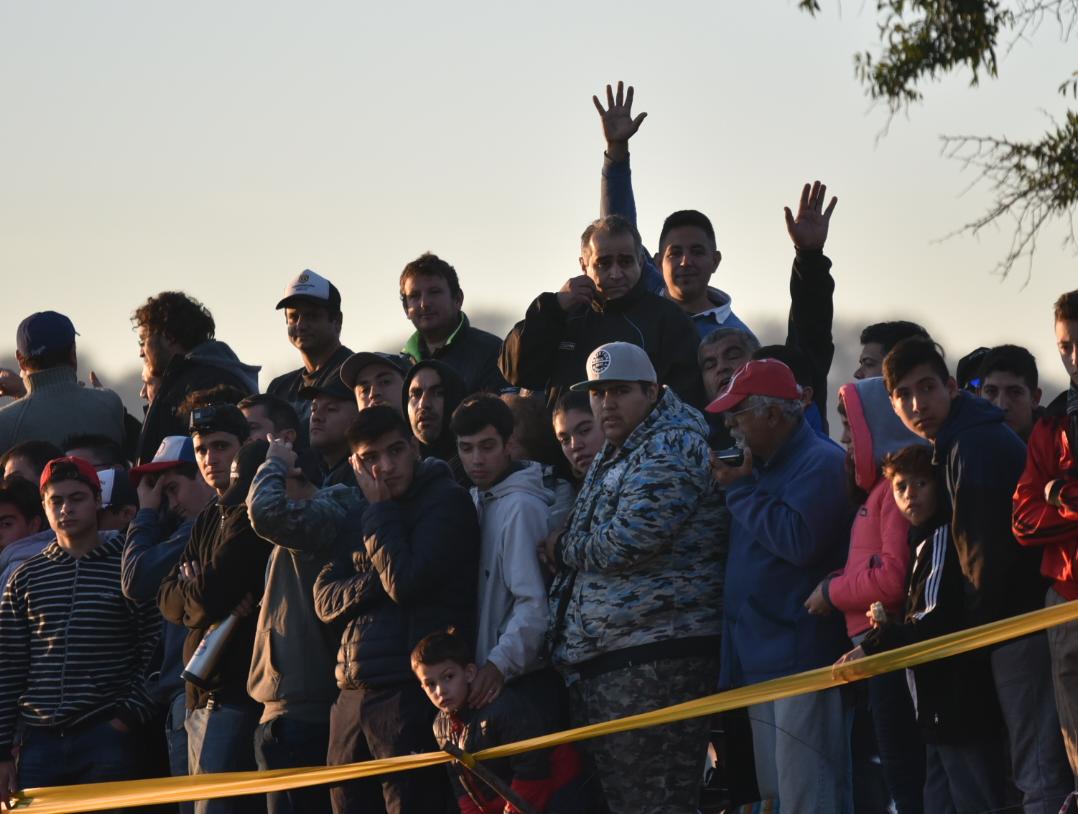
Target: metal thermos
<point x="203" y="662"/>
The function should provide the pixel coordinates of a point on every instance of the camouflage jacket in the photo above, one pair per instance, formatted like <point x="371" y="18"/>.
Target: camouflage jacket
<point x="644" y="553"/>
<point x="301" y="525"/>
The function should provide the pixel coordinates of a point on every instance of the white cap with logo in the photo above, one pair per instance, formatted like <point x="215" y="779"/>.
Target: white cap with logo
<point x="618" y="362"/>
<point x="311" y="287"/>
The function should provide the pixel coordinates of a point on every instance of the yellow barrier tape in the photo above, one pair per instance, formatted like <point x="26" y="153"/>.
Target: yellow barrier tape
<point x="103" y="796"/>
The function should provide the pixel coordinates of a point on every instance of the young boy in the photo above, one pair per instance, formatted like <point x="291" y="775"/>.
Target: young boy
<point x="955" y="698"/>
<point x="549" y="780"/>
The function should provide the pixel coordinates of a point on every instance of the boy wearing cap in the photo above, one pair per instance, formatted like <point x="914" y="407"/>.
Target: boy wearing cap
<point x="55" y="404"/>
<point x="333" y="409"/>
<point x="75" y="651"/>
<point x="376" y="378"/>
<point x="294" y="654"/>
<point x="221" y="572"/>
<point x="636" y="606"/>
<point x="171" y="493"/>
<point x="313" y="318"/>
<point x="790" y="525"/>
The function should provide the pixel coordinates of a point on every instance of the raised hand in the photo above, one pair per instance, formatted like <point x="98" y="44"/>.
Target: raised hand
<point x="374" y="489"/>
<point x="808" y="230"/>
<point x="577" y="292"/>
<point x="149" y="497"/>
<point x="617" y="118"/>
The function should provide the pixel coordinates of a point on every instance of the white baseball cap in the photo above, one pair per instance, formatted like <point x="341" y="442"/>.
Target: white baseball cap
<point x="618" y="362"/>
<point x="311" y="287"/>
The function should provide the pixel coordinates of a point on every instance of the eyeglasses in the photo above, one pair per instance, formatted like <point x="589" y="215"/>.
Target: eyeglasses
<point x="736" y="413"/>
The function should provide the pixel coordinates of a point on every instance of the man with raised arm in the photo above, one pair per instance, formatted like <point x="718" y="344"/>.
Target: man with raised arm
<point x="689" y="256"/>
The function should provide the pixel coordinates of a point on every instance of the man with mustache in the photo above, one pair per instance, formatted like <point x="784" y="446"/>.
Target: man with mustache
<point x="312" y="313"/>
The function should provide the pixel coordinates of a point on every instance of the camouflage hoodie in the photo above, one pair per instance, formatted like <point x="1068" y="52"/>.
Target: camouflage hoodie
<point x="645" y="547"/>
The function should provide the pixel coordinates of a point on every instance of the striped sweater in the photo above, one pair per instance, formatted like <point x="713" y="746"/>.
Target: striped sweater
<point x="72" y="645"/>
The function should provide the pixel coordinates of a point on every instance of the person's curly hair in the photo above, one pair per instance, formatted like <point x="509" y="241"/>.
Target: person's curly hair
<point x="174" y="314"/>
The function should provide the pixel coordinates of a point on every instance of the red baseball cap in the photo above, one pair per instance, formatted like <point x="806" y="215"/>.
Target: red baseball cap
<point x="760" y="377"/>
<point x="70" y="468"/>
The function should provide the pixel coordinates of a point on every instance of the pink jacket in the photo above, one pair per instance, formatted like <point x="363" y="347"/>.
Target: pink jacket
<point x="879" y="559"/>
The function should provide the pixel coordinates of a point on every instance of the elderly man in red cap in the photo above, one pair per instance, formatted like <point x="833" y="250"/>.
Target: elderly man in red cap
<point x="790" y="520"/>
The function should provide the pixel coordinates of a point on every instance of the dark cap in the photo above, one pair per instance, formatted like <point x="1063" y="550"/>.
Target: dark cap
<point x="219" y="418"/>
<point x="968" y="371"/>
<point x="332" y="387"/>
<point x="117" y="490"/>
<point x="357" y="361"/>
<point x="70" y="468"/>
<point x="244" y="467"/>
<point x="309" y="287"/>
<point x="44" y="332"/>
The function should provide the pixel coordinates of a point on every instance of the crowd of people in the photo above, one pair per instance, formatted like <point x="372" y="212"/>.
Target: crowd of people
<point x="626" y="503"/>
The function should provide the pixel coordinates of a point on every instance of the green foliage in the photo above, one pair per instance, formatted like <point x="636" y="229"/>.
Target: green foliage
<point x="1033" y="182"/>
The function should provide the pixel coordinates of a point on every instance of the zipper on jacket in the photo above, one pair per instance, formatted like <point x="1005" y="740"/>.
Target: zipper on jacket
<point x="67" y="635"/>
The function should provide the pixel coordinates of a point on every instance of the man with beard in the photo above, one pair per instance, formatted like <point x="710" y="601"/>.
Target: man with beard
<point x="176" y="342"/>
<point x="432" y="391"/>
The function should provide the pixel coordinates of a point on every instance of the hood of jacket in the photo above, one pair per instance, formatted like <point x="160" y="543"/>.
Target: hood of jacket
<point x="427" y="471"/>
<point x="446" y="445"/>
<point x="670" y="413"/>
<point x="967" y="411"/>
<point x="528" y="479"/>
<point x="218" y="354"/>
<point x="722" y="304"/>
<point x="874" y="426"/>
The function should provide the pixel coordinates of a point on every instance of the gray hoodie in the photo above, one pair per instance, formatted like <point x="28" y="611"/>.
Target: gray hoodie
<point x="218" y="354"/>
<point x="514" y="515"/>
<point x="15" y="554"/>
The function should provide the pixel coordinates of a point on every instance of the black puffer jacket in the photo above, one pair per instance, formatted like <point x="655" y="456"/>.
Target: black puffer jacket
<point x="548" y="349"/>
<point x="402" y="569"/>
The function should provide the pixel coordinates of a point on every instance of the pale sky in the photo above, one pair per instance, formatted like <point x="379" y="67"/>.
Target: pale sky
<point x="221" y="148"/>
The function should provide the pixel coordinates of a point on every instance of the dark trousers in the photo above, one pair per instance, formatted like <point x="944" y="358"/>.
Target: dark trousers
<point x="287" y="743"/>
<point x="375" y="723"/>
<point x="902" y="751"/>
<point x="87" y="753"/>
<point x="966" y="778"/>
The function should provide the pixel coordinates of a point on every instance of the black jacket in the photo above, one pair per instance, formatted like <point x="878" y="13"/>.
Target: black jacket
<point x="402" y="569"/>
<point x="233" y="563"/>
<point x="812" y="312"/>
<point x="983" y="460"/>
<point x="287" y="386"/>
<point x="548" y="349"/>
<point x="208" y="365"/>
<point x="956" y="697"/>
<point x="472" y="353"/>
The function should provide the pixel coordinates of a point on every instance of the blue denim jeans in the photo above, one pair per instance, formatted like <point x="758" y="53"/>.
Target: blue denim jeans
<point x="220" y="738"/>
<point x="802" y="749"/>
<point x="1022" y="670"/>
<point x="87" y="753"/>
<point x="176" y="739"/>
<point x="287" y="743"/>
